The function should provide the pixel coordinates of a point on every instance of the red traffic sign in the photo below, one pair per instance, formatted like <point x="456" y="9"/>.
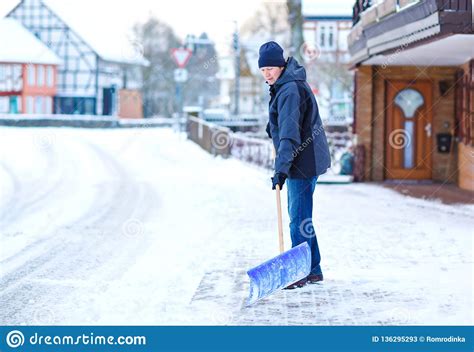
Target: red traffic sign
<point x="181" y="56"/>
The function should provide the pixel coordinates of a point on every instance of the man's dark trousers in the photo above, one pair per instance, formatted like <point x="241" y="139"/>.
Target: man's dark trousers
<point x="300" y="209"/>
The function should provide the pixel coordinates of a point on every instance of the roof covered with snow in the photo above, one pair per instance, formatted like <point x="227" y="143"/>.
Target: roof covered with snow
<point x="114" y="48"/>
<point x="18" y="45"/>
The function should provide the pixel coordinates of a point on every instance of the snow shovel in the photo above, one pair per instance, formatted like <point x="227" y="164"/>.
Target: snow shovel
<point x="281" y="271"/>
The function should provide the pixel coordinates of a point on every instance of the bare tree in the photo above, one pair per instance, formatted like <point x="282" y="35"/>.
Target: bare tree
<point x="332" y="77"/>
<point x="271" y="18"/>
<point x="295" y="18"/>
<point x="330" y="72"/>
<point x="202" y="86"/>
<point x="156" y="39"/>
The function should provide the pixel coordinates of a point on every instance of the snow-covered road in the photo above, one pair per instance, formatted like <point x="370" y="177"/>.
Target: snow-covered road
<point x="140" y="226"/>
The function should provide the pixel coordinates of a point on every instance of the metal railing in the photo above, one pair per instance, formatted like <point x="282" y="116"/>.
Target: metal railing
<point x="252" y="150"/>
<point x="359" y="7"/>
<point x="436" y="5"/>
<point x="222" y="141"/>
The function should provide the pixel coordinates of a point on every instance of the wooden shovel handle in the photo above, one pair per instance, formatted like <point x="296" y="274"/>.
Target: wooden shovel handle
<point x="280" y="222"/>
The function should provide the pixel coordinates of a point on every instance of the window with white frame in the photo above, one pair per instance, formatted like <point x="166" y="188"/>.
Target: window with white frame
<point x="17" y="78"/>
<point x="4" y="105"/>
<point x="331" y="37"/>
<point x="40" y="78"/>
<point x="48" y="109"/>
<point x="3" y="73"/>
<point x="3" y="78"/>
<point x="30" y="105"/>
<point x="31" y="74"/>
<point x="322" y="36"/>
<point x="39" y="105"/>
<point x="19" y="101"/>
<point x="50" y="76"/>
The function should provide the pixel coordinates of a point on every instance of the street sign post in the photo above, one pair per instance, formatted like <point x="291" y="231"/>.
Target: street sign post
<point x="180" y="75"/>
<point x="181" y="57"/>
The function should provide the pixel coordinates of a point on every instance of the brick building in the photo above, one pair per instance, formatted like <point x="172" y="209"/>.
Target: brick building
<point x="414" y="68"/>
<point x="28" y="71"/>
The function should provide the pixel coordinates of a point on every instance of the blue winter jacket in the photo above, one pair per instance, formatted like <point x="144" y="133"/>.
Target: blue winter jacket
<point x="296" y="127"/>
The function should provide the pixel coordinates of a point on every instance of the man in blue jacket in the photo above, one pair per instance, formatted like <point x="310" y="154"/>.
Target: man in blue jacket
<point x="302" y="152"/>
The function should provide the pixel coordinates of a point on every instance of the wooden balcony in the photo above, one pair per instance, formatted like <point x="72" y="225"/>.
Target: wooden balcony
<point x="391" y="25"/>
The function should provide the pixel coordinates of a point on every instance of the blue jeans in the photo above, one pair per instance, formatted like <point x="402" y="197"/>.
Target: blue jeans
<point x="300" y="209"/>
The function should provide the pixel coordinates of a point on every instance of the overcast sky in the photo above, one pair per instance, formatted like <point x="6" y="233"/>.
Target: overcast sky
<point x="106" y="22"/>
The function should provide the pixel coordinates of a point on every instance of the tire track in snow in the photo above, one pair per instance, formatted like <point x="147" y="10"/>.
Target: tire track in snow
<point x="28" y="196"/>
<point x="68" y="256"/>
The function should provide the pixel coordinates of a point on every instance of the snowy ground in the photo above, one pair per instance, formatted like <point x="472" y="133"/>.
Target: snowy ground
<point x="143" y="227"/>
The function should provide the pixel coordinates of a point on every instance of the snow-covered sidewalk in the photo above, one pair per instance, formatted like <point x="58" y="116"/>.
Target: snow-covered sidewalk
<point x="143" y="227"/>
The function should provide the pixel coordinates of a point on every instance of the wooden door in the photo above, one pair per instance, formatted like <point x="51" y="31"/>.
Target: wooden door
<point x="408" y="138"/>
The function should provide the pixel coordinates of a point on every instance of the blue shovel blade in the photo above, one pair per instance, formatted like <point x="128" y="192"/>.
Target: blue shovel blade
<point x="279" y="272"/>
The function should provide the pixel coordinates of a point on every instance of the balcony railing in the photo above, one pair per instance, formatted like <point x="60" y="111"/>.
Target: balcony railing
<point x="382" y="8"/>
<point x="359" y="7"/>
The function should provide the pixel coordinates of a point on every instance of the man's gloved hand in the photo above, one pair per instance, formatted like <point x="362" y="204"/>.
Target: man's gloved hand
<point x="268" y="130"/>
<point x="278" y="179"/>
